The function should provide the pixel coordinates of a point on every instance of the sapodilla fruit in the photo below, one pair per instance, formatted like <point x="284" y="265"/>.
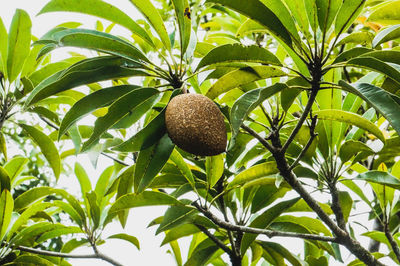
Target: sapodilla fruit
<point x="196" y="125"/>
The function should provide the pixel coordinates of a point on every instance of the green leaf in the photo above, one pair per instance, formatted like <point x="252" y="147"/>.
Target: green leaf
<point x="103" y="182"/>
<point x="73" y="244"/>
<point x="73" y="202"/>
<point x="146" y="198"/>
<point x="346" y="203"/>
<point x="350" y="118"/>
<point x="247" y="103"/>
<point x="71" y="211"/>
<point x="64" y="230"/>
<point x="386" y="14"/>
<point x="214" y="169"/>
<point x="348" y="12"/>
<point x="133" y="240"/>
<point x="364" y="38"/>
<point x="5" y="182"/>
<point x="15" y="166"/>
<point x="178" y="160"/>
<point x="120" y="108"/>
<point x="19" y="41"/>
<point x="294" y="260"/>
<point x="100" y="9"/>
<point x="146" y="137"/>
<point x="182" y="8"/>
<point x="326" y="10"/>
<point x="387" y="34"/>
<point x="84" y="72"/>
<point x="94" y="209"/>
<point x="3" y="48"/>
<point x="125" y="185"/>
<point x="47" y="147"/>
<point x="253" y="173"/>
<point x="154" y="18"/>
<point x="3" y="144"/>
<point x="313" y="225"/>
<point x="151" y="161"/>
<point x="179" y="232"/>
<point x="259" y="12"/>
<point x="351" y="147"/>
<point x="264" y="220"/>
<point x="6" y="208"/>
<point x="238" y="53"/>
<point x="349" y="54"/>
<point x="385" y="103"/>
<point x="83" y="178"/>
<point x="202" y="253"/>
<point x="312" y="14"/>
<point x="32" y="260"/>
<point x="380" y="177"/>
<point x="30" y="196"/>
<point x="175" y="216"/>
<point x="96" y="40"/>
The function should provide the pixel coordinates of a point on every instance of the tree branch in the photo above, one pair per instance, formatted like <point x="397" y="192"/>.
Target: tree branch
<point x="269" y="233"/>
<point x="393" y="243"/>
<point x="336" y="208"/>
<point x="259" y="138"/>
<point x="218" y="242"/>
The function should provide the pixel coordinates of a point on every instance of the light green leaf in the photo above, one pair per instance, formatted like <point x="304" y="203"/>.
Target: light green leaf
<point x="312" y="14"/>
<point x="32" y="260"/>
<point x="175" y="216"/>
<point x="364" y="38"/>
<point x="47" y="147"/>
<point x="351" y="147"/>
<point x="5" y="182"/>
<point x="125" y="186"/>
<point x="351" y="118"/>
<point x="348" y="12"/>
<point x="30" y="196"/>
<point x="94" y="209"/>
<point x="182" y="9"/>
<point x="154" y="18"/>
<point x="346" y="203"/>
<point x="178" y="232"/>
<point x="6" y="208"/>
<point x="83" y="178"/>
<point x="99" y="9"/>
<point x="65" y="230"/>
<point x="380" y="177"/>
<point x="15" y="166"/>
<point x="326" y="10"/>
<point x="126" y="237"/>
<point x="385" y="103"/>
<point x="19" y="41"/>
<point x="238" y="53"/>
<point x="3" y="144"/>
<point x="178" y="160"/>
<point x="387" y="34"/>
<point x="349" y="54"/>
<point x="84" y="72"/>
<point x="71" y="211"/>
<point x="253" y="173"/>
<point x="278" y="248"/>
<point x="386" y="14"/>
<point x="247" y="103"/>
<point x="146" y="198"/>
<point x="120" y="108"/>
<point x="103" y="182"/>
<point x="151" y="161"/>
<point x="214" y="169"/>
<point x="259" y="12"/>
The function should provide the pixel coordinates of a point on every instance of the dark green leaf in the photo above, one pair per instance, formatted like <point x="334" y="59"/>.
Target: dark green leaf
<point x="128" y="238"/>
<point x="380" y="177"/>
<point x="348" y="12"/>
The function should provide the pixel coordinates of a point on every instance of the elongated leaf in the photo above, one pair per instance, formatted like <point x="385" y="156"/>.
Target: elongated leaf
<point x="313" y="225"/>
<point x="64" y="230"/>
<point x="349" y="54"/>
<point x="386" y="34"/>
<point x="348" y="12"/>
<point x="183" y="16"/>
<point x="94" y="208"/>
<point x="380" y="177"/>
<point x="247" y="103"/>
<point x="6" y="208"/>
<point x="32" y="259"/>
<point x="350" y="118"/>
<point x="238" y="53"/>
<point x="214" y="169"/>
<point x="103" y="183"/>
<point x="278" y="248"/>
<point x="364" y="38"/>
<point x="312" y="14"/>
<point x="327" y="10"/>
<point x="120" y="108"/>
<point x="154" y="18"/>
<point x="84" y="72"/>
<point x="47" y="147"/>
<point x="100" y="9"/>
<point x="265" y="219"/>
<point x="83" y="178"/>
<point x="5" y="182"/>
<point x="386" y="14"/>
<point x="146" y="198"/>
<point x="253" y="173"/>
<point x="133" y="240"/>
<point x="384" y="102"/>
<point x="202" y="253"/>
<point x="151" y="161"/>
<point x="15" y="166"/>
<point x="351" y="148"/>
<point x="146" y="137"/>
<point x="3" y="48"/>
<point x="243" y="76"/>
<point x="178" y="160"/>
<point x="73" y="202"/>
<point x="30" y="196"/>
<point x="19" y="41"/>
<point x="125" y="186"/>
<point x="259" y="12"/>
<point x="96" y="40"/>
<point x="175" y="216"/>
<point x="67" y="208"/>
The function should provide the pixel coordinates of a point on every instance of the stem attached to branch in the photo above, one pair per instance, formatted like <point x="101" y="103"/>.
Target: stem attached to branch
<point x="393" y="243"/>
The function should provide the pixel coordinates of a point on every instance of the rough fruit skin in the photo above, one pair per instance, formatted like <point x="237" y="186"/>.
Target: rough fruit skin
<point x="196" y="125"/>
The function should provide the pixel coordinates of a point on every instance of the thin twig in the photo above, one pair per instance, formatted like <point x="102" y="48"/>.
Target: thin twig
<point x="218" y="242"/>
<point x="259" y="138"/>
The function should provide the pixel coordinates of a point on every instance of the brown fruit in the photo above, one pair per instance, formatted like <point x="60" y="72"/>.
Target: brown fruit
<point x="196" y="125"/>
